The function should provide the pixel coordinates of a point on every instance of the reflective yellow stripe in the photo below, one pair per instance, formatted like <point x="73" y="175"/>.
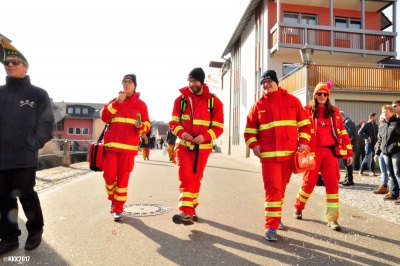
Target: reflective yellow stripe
<point x="120" y="198"/>
<point x="186" y="117"/>
<point x="343" y="132"/>
<point x="186" y="204"/>
<point x="251" y="130"/>
<point x="121" y="190"/>
<point x="251" y="140"/>
<point x="301" y="192"/>
<point x="111" y="109"/>
<point x="349" y="147"/>
<point x="332" y="196"/>
<point x="177" y="129"/>
<point x="212" y="134"/>
<point x="217" y="124"/>
<point x="199" y="122"/>
<point x="186" y="195"/>
<point x="111" y="186"/>
<point x="202" y="146"/>
<point x="273" y="214"/>
<point x="280" y="123"/>
<point x="125" y="120"/>
<point x="273" y="154"/>
<point x="332" y="205"/>
<point x="305" y="135"/>
<point x="175" y="118"/>
<point x="303" y="122"/>
<point x="273" y="204"/>
<point x="302" y="199"/>
<point x="121" y="146"/>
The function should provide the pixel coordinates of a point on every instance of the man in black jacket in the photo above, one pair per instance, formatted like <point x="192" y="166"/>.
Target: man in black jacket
<point x="369" y="131"/>
<point x="351" y="132"/>
<point x="26" y="119"/>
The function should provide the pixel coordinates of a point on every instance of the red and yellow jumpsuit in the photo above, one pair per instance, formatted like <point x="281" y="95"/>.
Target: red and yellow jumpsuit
<point x="195" y="120"/>
<point x="121" y="140"/>
<point x="276" y="122"/>
<point x="326" y="163"/>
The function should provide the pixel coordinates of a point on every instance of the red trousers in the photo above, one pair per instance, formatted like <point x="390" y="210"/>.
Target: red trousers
<point x="117" y="168"/>
<point x="276" y="175"/>
<point x="190" y="182"/>
<point x="328" y="165"/>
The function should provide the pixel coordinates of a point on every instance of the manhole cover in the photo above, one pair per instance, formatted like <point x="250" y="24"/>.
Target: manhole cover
<point x="135" y="210"/>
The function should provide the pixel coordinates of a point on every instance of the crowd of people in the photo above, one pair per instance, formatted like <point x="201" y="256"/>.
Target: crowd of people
<point x="277" y="126"/>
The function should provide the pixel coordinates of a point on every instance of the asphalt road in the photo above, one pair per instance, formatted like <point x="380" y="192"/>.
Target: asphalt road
<point x="79" y="229"/>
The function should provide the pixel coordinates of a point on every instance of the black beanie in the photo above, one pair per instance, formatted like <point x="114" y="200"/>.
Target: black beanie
<point x="269" y="74"/>
<point x="131" y="77"/>
<point x="198" y="74"/>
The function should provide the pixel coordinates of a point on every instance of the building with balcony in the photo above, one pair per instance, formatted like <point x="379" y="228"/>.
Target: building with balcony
<point x="78" y="122"/>
<point x="353" y="44"/>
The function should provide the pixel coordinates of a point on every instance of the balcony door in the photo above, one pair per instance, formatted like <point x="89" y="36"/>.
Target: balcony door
<point x="347" y="39"/>
<point x="298" y="34"/>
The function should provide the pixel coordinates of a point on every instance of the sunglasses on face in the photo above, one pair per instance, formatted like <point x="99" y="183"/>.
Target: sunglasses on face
<point x="15" y="62"/>
<point x="322" y="93"/>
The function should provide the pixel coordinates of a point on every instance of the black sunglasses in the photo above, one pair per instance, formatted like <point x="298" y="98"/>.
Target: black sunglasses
<point x="322" y="93"/>
<point x="15" y="62"/>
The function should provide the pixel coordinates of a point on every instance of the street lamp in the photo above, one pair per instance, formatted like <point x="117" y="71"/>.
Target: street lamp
<point x="306" y="54"/>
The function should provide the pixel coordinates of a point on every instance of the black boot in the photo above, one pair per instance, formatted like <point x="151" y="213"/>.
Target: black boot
<point x="7" y="245"/>
<point x="34" y="240"/>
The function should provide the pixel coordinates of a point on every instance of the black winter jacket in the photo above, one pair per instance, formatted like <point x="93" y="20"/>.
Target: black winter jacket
<point x="389" y="137"/>
<point x="26" y="123"/>
<point x="369" y="130"/>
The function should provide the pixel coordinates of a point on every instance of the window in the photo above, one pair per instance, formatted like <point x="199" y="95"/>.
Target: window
<point x="70" y="110"/>
<point x="70" y="131"/>
<point x="348" y="39"/>
<point x="78" y="131"/>
<point x="85" y="131"/>
<point x="85" y="111"/>
<point x="288" y="67"/>
<point x="297" y="34"/>
<point x="77" y="110"/>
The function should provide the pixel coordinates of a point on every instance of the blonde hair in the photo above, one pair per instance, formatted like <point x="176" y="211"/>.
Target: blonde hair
<point x="388" y="107"/>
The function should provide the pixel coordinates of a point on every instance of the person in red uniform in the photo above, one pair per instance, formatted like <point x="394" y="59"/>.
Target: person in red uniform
<point x="277" y="125"/>
<point x="196" y="125"/>
<point x="128" y="118"/>
<point x="329" y="141"/>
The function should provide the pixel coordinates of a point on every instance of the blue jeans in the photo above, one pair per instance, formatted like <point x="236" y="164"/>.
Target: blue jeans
<point x="384" y="171"/>
<point x="393" y="166"/>
<point x="369" y="154"/>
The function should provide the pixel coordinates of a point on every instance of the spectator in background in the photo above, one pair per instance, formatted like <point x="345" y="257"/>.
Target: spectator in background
<point x="171" y="139"/>
<point x="359" y="152"/>
<point x="352" y="133"/>
<point x="396" y="106"/>
<point x="383" y="188"/>
<point x="145" y="145"/>
<point x="26" y="119"/>
<point x="369" y="132"/>
<point x="152" y="142"/>
<point x="387" y="143"/>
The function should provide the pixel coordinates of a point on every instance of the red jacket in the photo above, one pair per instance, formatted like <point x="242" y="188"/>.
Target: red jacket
<point x="195" y="120"/>
<point x="122" y="135"/>
<point x="277" y="122"/>
<point x="343" y="139"/>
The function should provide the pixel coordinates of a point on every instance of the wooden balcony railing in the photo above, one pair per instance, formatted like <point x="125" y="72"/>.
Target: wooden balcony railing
<point x="332" y="38"/>
<point x="350" y="78"/>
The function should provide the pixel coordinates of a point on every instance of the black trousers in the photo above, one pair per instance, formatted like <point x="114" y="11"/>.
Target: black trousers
<point x="19" y="183"/>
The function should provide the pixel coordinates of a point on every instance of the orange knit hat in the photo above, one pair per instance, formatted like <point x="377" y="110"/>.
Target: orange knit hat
<point x="323" y="86"/>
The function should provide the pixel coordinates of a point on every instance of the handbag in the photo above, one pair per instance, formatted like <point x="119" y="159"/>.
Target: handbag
<point x="96" y="153"/>
<point x="302" y="161"/>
